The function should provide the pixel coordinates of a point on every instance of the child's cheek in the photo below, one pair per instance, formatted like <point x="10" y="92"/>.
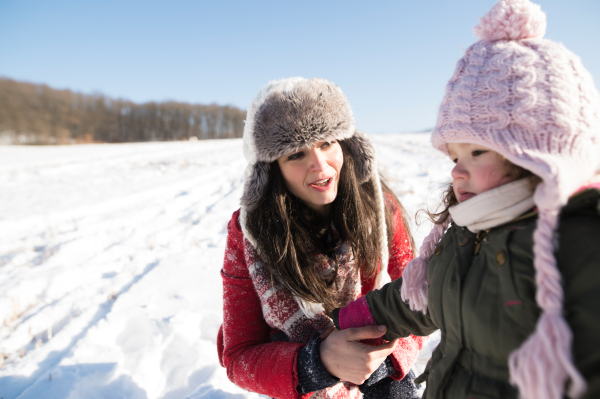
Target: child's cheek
<point x="491" y="178"/>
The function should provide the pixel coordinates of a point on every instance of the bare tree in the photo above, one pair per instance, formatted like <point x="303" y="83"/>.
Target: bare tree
<point x="38" y="114"/>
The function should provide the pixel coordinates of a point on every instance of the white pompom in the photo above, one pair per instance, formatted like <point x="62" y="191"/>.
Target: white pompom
<point x="512" y="20"/>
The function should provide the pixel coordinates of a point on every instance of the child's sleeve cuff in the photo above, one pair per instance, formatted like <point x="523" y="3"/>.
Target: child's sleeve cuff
<point x="356" y="314"/>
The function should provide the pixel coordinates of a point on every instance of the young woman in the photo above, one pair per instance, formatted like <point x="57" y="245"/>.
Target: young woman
<point x="316" y="230"/>
<point x="511" y="271"/>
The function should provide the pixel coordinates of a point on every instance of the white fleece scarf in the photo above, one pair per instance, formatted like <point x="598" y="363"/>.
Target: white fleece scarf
<point x="494" y="207"/>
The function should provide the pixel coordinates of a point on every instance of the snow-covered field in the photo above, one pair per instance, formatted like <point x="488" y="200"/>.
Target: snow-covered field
<point x="110" y="259"/>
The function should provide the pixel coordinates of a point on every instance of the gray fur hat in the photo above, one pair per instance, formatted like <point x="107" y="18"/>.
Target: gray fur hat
<point x="289" y="114"/>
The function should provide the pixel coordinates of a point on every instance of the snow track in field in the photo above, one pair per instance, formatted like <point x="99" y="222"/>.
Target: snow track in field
<point x="110" y="259"/>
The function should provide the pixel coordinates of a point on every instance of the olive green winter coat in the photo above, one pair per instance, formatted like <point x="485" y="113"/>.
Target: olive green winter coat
<point x="482" y="297"/>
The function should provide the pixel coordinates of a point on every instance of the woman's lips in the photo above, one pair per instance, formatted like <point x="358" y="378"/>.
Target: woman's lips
<point x="322" y="185"/>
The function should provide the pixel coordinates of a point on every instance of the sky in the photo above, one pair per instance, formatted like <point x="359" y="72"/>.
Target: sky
<point x="391" y="58"/>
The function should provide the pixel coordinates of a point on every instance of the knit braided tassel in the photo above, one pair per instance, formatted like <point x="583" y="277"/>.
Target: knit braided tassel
<point x="382" y="277"/>
<point x="542" y="365"/>
<point x="414" y="278"/>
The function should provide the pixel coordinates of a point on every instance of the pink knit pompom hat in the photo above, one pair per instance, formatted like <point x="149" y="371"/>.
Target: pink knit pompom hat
<point x="532" y="101"/>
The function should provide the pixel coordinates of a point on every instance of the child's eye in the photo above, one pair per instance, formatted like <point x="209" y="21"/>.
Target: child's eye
<point x="477" y="153"/>
<point x="455" y="160"/>
<point x="295" y="156"/>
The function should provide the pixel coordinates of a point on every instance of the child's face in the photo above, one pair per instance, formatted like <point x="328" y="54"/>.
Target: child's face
<point x="478" y="169"/>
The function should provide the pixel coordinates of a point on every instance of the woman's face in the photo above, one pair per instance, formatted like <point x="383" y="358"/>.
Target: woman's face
<point x="312" y="174"/>
<point x="477" y="170"/>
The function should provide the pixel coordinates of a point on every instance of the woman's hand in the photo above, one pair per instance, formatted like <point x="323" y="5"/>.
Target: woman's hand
<point x="349" y="360"/>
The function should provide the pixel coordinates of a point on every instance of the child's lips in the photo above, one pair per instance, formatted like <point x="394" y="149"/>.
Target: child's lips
<point x="464" y="195"/>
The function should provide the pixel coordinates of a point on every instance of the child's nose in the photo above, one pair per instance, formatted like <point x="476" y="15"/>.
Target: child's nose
<point x="459" y="172"/>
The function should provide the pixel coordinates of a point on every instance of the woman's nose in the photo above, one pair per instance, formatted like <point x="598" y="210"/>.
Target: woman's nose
<point x="318" y="160"/>
<point x="459" y="172"/>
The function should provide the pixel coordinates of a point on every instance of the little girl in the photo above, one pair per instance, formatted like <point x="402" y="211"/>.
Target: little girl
<point x="510" y="273"/>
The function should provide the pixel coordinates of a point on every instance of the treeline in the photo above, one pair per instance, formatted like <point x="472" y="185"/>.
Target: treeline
<point x="38" y="114"/>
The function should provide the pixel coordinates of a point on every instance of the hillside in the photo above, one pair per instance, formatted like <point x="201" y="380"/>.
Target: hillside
<point x="38" y="114"/>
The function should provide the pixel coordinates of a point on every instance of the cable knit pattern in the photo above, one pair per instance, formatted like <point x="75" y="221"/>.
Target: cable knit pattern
<point x="532" y="101"/>
<point x="414" y="284"/>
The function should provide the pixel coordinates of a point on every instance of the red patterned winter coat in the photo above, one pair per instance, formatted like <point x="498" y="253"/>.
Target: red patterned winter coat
<point x="253" y="361"/>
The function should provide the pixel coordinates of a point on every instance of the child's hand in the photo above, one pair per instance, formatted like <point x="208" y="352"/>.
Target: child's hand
<point x="343" y="356"/>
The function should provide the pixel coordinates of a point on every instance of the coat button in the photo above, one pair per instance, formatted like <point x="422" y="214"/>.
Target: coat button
<point x="501" y="258"/>
<point x="463" y="241"/>
<point x="438" y="249"/>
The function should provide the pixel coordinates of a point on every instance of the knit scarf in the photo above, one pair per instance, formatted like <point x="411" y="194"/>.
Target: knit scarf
<point x="494" y="207"/>
<point x="282" y="311"/>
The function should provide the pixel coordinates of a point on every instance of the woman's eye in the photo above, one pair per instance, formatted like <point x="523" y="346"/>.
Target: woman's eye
<point x="477" y="153"/>
<point x="326" y="145"/>
<point x="295" y="156"/>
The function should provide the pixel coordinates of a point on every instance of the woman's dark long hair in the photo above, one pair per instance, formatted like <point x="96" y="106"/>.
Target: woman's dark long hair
<point x="290" y="235"/>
